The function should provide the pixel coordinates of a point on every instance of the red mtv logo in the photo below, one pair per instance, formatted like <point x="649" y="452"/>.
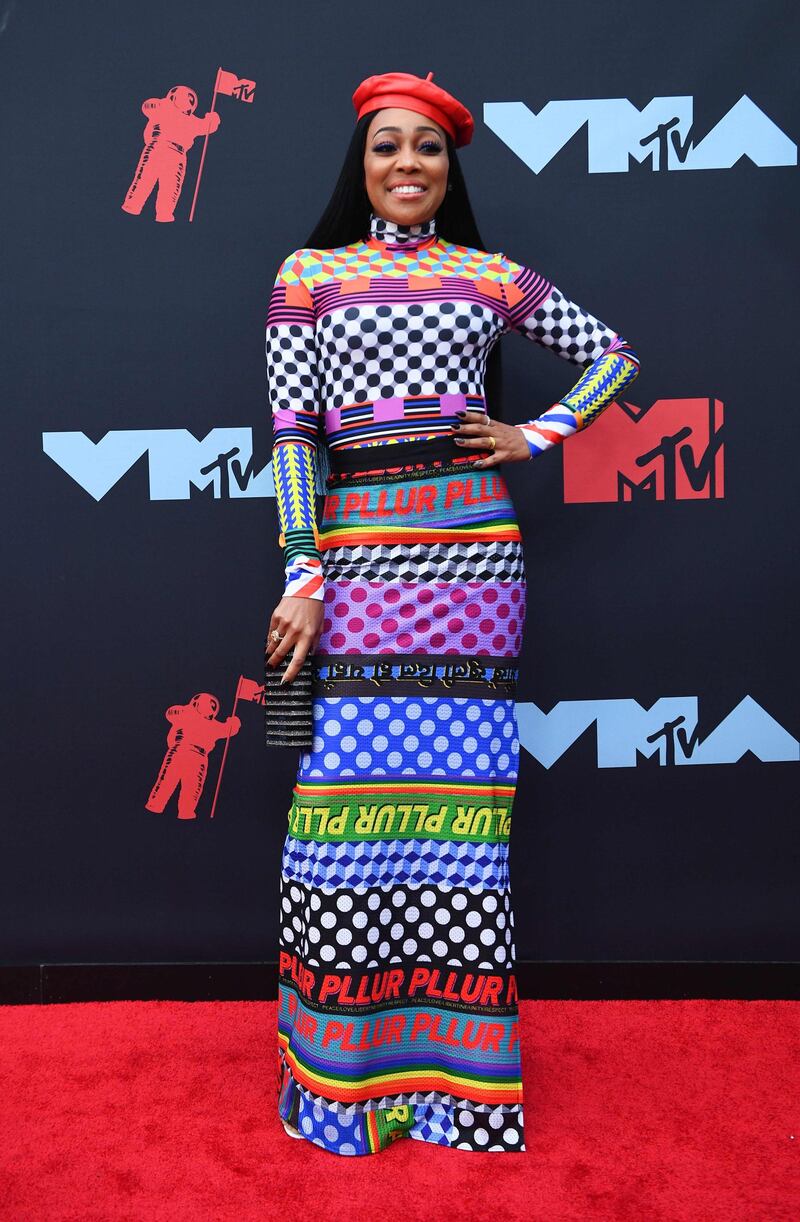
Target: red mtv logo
<point x="671" y="451"/>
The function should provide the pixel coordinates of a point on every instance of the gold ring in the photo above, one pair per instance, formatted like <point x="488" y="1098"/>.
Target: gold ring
<point x="492" y="443"/>
<point x="275" y="635"/>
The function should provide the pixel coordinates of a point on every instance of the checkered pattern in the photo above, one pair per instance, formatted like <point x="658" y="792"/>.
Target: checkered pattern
<point x="567" y="329"/>
<point x="373" y="352"/>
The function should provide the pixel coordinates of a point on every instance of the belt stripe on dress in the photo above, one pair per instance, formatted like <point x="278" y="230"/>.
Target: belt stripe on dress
<point x="395" y="454"/>
<point x="445" y="674"/>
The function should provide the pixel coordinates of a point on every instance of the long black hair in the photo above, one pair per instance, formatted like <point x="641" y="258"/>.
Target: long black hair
<point x="346" y="220"/>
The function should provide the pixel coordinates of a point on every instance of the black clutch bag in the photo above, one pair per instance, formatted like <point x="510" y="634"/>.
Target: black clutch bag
<point x="288" y="706"/>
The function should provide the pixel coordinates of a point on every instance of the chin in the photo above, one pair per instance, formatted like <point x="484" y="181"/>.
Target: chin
<point x="410" y="213"/>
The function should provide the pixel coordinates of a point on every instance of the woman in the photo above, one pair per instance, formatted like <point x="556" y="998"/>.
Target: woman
<point x="397" y="999"/>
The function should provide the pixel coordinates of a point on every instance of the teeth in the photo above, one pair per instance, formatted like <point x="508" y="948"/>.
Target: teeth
<point x="407" y="190"/>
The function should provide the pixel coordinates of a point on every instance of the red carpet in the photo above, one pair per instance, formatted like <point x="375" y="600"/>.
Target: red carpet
<point x="635" y="1111"/>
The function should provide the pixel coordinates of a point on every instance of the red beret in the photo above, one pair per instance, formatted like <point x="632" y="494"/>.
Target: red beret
<point x="413" y="93"/>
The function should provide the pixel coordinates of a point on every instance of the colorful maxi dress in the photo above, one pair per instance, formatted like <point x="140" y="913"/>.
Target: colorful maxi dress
<point x="397" y="1011"/>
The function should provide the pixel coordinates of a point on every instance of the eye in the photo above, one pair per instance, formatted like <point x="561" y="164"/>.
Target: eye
<point x="387" y="145"/>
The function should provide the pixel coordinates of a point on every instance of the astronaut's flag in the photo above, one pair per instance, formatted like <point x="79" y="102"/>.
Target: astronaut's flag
<point x="230" y="84"/>
<point x="249" y="689"/>
<point x="246" y="689"/>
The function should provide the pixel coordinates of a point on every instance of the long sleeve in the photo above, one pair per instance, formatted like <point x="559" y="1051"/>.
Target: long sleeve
<point x="293" y="387"/>
<point x="542" y="313"/>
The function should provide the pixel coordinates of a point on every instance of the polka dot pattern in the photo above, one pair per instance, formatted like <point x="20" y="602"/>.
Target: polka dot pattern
<point x="493" y="1131"/>
<point x="335" y="1131"/>
<point x="419" y="736"/>
<point x="364" y="928"/>
<point x="472" y="618"/>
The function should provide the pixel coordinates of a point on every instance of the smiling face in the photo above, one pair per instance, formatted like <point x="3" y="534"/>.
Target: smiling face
<point x="405" y="149"/>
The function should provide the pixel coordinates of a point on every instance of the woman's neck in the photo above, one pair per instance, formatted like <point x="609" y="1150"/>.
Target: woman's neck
<point x="392" y="235"/>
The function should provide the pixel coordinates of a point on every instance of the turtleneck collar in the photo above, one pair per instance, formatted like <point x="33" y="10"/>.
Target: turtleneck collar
<point x="391" y="235"/>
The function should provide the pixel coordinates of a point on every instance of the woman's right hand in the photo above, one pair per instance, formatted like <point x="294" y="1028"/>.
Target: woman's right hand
<point x="299" y="621"/>
<point x="475" y="430"/>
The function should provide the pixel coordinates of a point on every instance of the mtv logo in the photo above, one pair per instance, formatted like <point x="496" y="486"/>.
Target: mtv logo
<point x="671" y="451"/>
<point x="222" y="461"/>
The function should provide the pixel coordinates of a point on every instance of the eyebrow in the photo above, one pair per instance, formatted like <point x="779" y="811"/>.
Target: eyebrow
<point x="420" y="128"/>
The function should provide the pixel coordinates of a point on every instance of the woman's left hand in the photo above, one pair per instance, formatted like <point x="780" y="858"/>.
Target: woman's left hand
<point x="474" y="431"/>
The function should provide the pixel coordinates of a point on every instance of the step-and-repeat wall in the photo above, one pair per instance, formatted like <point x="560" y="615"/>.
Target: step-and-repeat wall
<point x="645" y="160"/>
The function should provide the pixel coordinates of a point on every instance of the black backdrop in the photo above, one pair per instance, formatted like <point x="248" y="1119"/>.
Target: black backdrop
<point x="118" y="607"/>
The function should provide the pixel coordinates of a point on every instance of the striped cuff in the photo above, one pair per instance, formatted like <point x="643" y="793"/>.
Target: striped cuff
<point x="549" y="429"/>
<point x="304" y="578"/>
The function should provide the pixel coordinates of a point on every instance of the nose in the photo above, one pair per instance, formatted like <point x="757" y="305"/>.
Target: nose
<point x="407" y="157"/>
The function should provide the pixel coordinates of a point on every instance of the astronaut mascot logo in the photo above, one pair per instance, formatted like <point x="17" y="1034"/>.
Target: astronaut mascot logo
<point x="194" y="732"/>
<point x="170" y="132"/>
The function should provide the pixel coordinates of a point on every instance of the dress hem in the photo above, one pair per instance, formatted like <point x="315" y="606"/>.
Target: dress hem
<point x="460" y="1126"/>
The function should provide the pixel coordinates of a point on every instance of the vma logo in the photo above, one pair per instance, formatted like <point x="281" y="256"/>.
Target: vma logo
<point x="662" y="133"/>
<point x="666" y="733"/>
<point x="671" y="451"/>
<point x="221" y="464"/>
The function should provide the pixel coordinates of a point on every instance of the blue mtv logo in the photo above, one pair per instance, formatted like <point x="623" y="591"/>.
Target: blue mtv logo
<point x="177" y="461"/>
<point x="666" y="731"/>
<point x="618" y="132"/>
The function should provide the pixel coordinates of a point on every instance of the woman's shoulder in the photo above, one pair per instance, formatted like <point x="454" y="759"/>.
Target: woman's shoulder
<point x="497" y="264"/>
<point x="291" y="266"/>
<point x="307" y="262"/>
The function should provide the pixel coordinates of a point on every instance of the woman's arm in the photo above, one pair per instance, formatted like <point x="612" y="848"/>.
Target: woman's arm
<point x="293" y="386"/>
<point x="542" y="313"/>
